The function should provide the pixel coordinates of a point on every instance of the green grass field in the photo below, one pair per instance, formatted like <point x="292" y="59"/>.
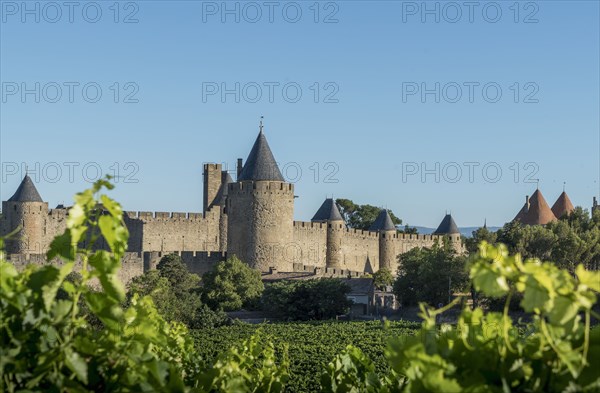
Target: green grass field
<point x="311" y="345"/>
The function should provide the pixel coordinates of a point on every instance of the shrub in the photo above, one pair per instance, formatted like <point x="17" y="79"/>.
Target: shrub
<point x="176" y="294"/>
<point x="318" y="299"/>
<point x="556" y="352"/>
<point x="232" y="285"/>
<point x="46" y="343"/>
<point x="430" y="275"/>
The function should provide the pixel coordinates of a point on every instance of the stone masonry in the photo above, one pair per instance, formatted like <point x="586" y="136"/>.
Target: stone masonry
<point x="251" y="218"/>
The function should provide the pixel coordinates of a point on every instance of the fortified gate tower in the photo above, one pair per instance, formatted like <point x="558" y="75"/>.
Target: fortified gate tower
<point x="260" y="211"/>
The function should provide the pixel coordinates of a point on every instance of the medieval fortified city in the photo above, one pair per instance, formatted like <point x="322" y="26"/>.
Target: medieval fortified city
<point x="252" y="218"/>
<point x="300" y="196"/>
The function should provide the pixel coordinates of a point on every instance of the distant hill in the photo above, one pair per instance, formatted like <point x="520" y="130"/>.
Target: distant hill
<point x="466" y="231"/>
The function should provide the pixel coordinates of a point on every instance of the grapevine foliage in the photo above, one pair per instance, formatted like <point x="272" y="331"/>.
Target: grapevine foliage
<point x="556" y="351"/>
<point x="48" y="344"/>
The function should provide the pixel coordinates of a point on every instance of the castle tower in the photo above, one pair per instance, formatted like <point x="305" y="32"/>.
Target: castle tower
<point x="449" y="228"/>
<point x="260" y="212"/>
<point x="330" y="214"/>
<point x="535" y="211"/>
<point x="594" y="205"/>
<point x="387" y="235"/>
<point x="212" y="185"/>
<point x="25" y="210"/>
<point x="562" y="206"/>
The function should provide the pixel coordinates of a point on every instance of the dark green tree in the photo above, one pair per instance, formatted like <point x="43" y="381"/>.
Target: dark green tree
<point x="568" y="241"/>
<point x="430" y="275"/>
<point x="361" y="216"/>
<point x="176" y="293"/>
<point x="232" y="285"/>
<point x="409" y="230"/>
<point x="318" y="299"/>
<point x="479" y="235"/>
<point x="383" y="278"/>
<point x="172" y="268"/>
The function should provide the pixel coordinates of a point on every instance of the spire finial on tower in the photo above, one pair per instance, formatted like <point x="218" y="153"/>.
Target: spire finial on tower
<point x="564" y="185"/>
<point x="260" y="127"/>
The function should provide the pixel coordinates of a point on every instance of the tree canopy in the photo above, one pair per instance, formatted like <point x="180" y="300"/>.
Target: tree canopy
<point x="231" y="285"/>
<point x="382" y="278"/>
<point x="571" y="240"/>
<point x="361" y="216"/>
<point x="430" y="275"/>
<point x="322" y="298"/>
<point x="176" y="293"/>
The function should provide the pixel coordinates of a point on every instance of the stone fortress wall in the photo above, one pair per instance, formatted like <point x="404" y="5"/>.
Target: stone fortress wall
<point x="251" y="218"/>
<point x="163" y="231"/>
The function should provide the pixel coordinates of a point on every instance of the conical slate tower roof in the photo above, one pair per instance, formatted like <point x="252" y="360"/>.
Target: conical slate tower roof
<point x="328" y="212"/>
<point x="26" y="192"/>
<point x="260" y="164"/>
<point x="562" y="206"/>
<point x="537" y="213"/>
<point x="383" y="222"/>
<point x="447" y="226"/>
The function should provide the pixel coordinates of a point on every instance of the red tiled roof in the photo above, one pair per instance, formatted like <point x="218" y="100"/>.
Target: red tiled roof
<point x="562" y="206"/>
<point x="538" y="212"/>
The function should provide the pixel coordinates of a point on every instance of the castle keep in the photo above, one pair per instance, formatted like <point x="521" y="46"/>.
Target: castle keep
<point x="252" y="218"/>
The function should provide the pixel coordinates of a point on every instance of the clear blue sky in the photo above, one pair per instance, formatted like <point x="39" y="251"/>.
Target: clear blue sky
<point x="374" y="56"/>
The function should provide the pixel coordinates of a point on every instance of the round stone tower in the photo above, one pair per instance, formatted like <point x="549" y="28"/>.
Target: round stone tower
<point x="449" y="228"/>
<point x="25" y="211"/>
<point x="387" y="240"/>
<point x="330" y="214"/>
<point x="260" y="212"/>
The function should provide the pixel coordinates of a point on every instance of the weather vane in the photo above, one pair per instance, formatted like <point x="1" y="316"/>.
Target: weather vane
<point x="261" y="123"/>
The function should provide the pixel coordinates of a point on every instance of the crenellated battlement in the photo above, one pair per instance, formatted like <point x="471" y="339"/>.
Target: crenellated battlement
<point x="144" y="215"/>
<point x="411" y="236"/>
<point x="58" y="213"/>
<point x="252" y="188"/>
<point x="326" y="272"/>
<point x="252" y="217"/>
<point x="213" y="166"/>
<point x="353" y="232"/>
<point x="417" y="237"/>
<point x="309" y="225"/>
